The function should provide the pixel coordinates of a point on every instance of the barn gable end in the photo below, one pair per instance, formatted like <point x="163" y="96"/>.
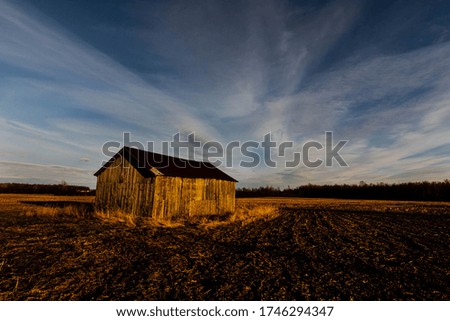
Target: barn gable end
<point x="152" y="185"/>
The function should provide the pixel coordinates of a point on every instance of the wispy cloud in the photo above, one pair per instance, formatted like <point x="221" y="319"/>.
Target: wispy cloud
<point x="59" y="78"/>
<point x="68" y="69"/>
<point x="239" y="71"/>
<point x="230" y="72"/>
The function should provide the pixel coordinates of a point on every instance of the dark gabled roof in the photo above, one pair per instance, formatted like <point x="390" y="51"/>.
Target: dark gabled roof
<point x="149" y="164"/>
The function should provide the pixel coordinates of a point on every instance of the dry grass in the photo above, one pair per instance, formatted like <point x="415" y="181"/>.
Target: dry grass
<point x="246" y="212"/>
<point x="130" y="220"/>
<point x="118" y="216"/>
<point x="65" y="211"/>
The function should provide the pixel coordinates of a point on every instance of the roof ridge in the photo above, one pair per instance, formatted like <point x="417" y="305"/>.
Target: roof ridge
<point x="146" y="162"/>
<point x="171" y="156"/>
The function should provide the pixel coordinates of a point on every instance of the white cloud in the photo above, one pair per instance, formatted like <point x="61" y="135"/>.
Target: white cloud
<point x="234" y="75"/>
<point x="84" y="76"/>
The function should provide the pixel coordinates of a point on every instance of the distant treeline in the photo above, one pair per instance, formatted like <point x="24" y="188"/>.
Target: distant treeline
<point x="59" y="189"/>
<point x="420" y="191"/>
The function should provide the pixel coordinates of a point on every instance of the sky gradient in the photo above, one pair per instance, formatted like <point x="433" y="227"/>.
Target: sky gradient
<point x="76" y="74"/>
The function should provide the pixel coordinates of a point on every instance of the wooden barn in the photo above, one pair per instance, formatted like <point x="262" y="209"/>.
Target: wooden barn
<point x="147" y="184"/>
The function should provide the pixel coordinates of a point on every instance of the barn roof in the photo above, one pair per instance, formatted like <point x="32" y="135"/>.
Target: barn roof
<point x="149" y="163"/>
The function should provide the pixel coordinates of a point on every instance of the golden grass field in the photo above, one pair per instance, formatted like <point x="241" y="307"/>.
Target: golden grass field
<point x="56" y="248"/>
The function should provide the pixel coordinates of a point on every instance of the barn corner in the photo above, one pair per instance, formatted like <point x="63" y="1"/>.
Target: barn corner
<point x="150" y="185"/>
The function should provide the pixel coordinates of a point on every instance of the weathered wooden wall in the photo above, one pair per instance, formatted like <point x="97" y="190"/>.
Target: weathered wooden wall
<point x="123" y="188"/>
<point x="178" y="197"/>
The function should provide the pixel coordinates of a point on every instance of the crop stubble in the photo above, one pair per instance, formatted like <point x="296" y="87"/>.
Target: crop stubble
<point x="310" y="250"/>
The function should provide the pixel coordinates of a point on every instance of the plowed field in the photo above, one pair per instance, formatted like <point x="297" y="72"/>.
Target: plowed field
<point x="305" y="250"/>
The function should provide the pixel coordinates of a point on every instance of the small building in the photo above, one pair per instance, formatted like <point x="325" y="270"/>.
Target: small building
<point x="148" y="184"/>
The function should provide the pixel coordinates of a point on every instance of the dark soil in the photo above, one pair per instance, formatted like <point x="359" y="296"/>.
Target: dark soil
<point x="303" y="254"/>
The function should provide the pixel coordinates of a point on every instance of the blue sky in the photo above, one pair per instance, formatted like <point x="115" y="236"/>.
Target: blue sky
<point x="76" y="74"/>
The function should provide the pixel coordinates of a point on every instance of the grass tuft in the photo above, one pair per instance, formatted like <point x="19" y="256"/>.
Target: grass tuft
<point x="244" y="214"/>
<point x="71" y="211"/>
